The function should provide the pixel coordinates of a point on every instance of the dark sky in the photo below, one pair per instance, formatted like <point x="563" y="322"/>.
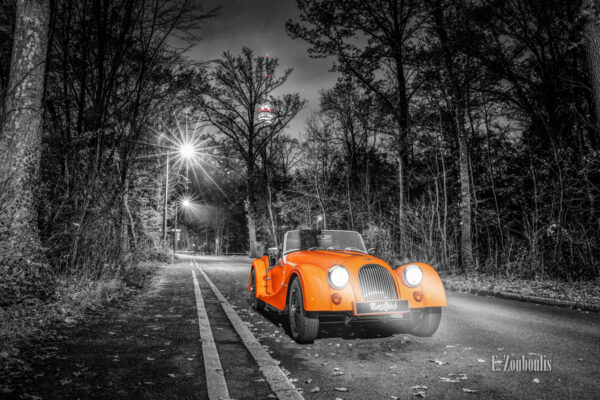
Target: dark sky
<point x="259" y="24"/>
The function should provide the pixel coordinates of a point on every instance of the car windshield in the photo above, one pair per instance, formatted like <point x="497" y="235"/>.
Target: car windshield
<point x="323" y="240"/>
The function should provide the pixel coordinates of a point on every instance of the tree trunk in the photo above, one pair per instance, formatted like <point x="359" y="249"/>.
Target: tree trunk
<point x="21" y="136"/>
<point x="270" y="208"/>
<point x="592" y="41"/>
<point x="401" y="221"/>
<point x="250" y="212"/>
<point x="466" y="245"/>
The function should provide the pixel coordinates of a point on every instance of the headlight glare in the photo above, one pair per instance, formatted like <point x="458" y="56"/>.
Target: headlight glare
<point x="412" y="275"/>
<point x="338" y="277"/>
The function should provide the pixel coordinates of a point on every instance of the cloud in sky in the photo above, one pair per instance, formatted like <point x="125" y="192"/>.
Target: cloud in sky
<point x="260" y="25"/>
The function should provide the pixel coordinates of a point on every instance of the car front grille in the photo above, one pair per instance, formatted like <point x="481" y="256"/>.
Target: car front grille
<point x="376" y="283"/>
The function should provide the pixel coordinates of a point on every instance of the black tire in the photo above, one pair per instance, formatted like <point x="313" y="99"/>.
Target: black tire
<point x="257" y="303"/>
<point x="304" y="326"/>
<point x="428" y="322"/>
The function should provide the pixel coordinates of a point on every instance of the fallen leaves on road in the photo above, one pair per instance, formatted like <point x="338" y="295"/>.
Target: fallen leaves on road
<point x="454" y="378"/>
<point x="417" y="387"/>
<point x="438" y="362"/>
<point x="420" y="394"/>
<point x="481" y="360"/>
<point x="448" y="380"/>
<point x="341" y="389"/>
<point x="535" y="380"/>
<point x="65" y="381"/>
<point x="5" y="389"/>
<point x="31" y="396"/>
<point x="316" y="389"/>
<point x="469" y="390"/>
<point x="149" y="358"/>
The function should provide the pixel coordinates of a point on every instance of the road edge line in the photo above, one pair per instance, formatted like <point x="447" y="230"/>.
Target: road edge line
<point x="215" y="379"/>
<point x="278" y="381"/>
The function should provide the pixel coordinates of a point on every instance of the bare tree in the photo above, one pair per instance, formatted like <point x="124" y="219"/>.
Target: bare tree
<point x="238" y="85"/>
<point x="372" y="41"/>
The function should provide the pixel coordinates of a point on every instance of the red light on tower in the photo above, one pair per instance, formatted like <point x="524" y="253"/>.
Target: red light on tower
<point x="265" y="113"/>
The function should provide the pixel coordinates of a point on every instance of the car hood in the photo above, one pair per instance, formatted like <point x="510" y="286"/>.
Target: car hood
<point x="327" y="258"/>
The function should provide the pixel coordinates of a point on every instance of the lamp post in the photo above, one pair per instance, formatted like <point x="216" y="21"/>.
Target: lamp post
<point x="185" y="203"/>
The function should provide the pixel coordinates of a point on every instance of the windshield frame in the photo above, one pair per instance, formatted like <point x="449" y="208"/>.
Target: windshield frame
<point x="286" y="251"/>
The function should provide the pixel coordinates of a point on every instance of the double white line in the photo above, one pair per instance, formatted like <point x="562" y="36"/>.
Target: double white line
<point x="215" y="380"/>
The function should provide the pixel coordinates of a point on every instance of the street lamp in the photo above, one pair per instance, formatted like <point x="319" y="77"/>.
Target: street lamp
<point x="185" y="203"/>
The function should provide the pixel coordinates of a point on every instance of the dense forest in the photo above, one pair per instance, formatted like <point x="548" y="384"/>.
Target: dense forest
<point x="465" y="133"/>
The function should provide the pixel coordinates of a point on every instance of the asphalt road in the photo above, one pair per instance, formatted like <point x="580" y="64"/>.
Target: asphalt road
<point x="150" y="347"/>
<point x="472" y="331"/>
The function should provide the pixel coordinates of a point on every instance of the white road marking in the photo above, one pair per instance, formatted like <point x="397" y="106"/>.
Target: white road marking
<point x="280" y="384"/>
<point x="215" y="380"/>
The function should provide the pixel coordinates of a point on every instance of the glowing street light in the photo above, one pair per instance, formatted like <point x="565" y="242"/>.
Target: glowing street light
<point x="187" y="151"/>
<point x="319" y="219"/>
<point x="186" y="203"/>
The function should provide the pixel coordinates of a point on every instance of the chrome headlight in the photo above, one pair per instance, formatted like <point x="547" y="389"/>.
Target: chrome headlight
<point x="338" y="277"/>
<point x="412" y="275"/>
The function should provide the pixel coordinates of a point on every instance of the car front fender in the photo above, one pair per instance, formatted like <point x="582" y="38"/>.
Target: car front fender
<point x="431" y="287"/>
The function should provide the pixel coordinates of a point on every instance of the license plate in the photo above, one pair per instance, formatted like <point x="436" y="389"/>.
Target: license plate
<point x="381" y="307"/>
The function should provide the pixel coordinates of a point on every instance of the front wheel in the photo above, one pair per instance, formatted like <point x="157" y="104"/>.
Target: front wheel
<point x="427" y="323"/>
<point x="257" y="303"/>
<point x="303" y="326"/>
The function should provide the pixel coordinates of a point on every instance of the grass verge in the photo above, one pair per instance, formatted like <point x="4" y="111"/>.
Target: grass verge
<point x="74" y="296"/>
<point x="581" y="292"/>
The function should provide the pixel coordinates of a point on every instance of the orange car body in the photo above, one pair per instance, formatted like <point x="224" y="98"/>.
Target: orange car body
<point x="311" y="268"/>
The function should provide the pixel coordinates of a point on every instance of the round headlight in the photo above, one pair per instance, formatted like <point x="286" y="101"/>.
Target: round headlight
<point x="338" y="277"/>
<point x="412" y="275"/>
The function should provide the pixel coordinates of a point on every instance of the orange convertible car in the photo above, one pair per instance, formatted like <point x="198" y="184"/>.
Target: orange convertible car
<point x="328" y="276"/>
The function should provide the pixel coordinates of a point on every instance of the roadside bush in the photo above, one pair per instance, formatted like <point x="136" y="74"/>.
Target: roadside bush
<point x="21" y="280"/>
<point x="137" y="276"/>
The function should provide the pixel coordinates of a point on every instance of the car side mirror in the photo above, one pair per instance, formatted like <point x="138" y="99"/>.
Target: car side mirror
<point x="371" y="250"/>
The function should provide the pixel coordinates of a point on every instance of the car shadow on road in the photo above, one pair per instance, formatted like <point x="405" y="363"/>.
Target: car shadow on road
<point x="337" y="330"/>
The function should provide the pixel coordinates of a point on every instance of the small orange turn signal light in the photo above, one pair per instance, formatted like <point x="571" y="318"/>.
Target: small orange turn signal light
<point x="418" y="295"/>
<point x="336" y="298"/>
